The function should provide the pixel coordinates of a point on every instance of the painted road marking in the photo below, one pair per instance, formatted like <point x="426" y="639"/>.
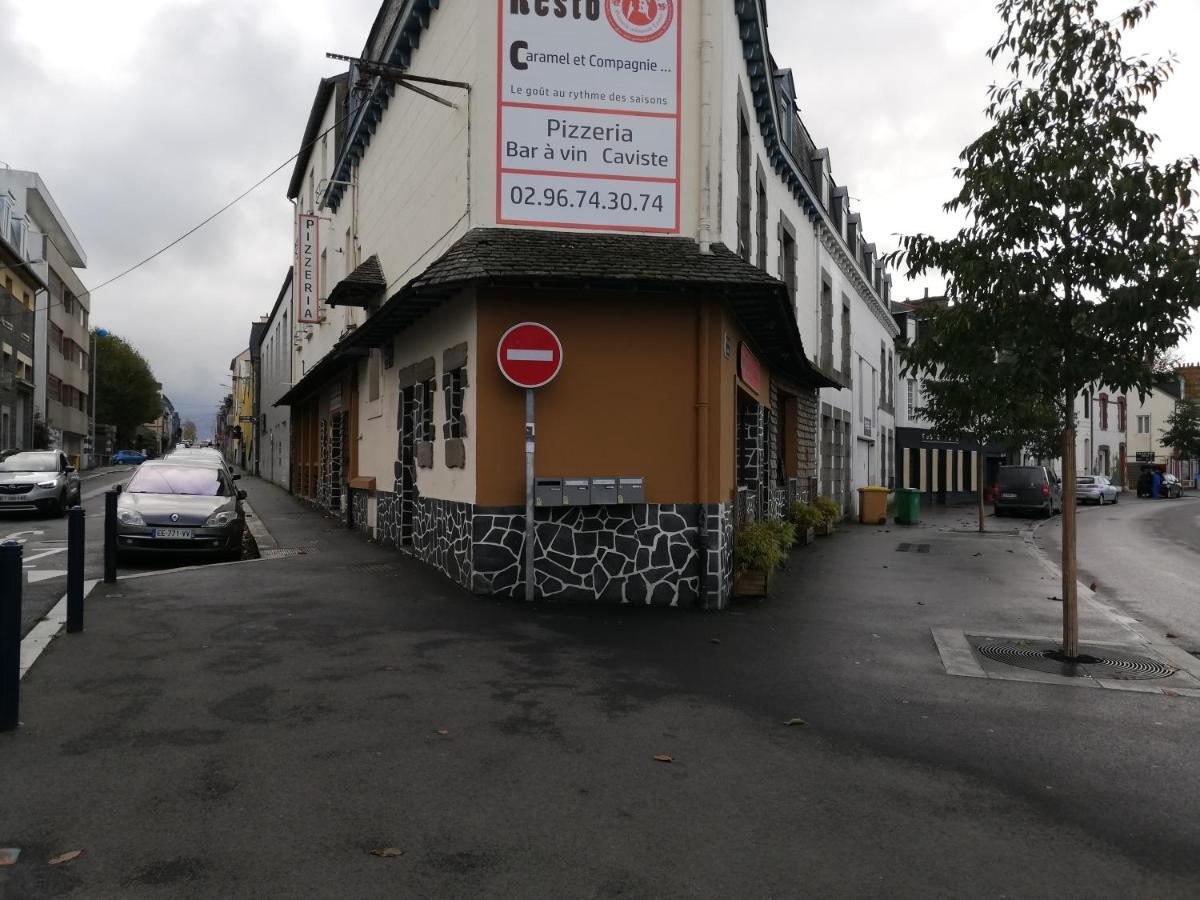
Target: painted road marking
<point x="38" y="575"/>
<point x="42" y="553"/>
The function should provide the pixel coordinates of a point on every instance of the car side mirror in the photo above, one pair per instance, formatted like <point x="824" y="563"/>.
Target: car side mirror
<point x="69" y="469"/>
<point x="237" y="477"/>
<point x="241" y="495"/>
<point x="119" y="488"/>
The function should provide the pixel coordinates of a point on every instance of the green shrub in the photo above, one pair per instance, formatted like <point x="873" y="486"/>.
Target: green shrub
<point x="829" y="509"/>
<point x="784" y="531"/>
<point x="757" y="546"/>
<point x="805" y="515"/>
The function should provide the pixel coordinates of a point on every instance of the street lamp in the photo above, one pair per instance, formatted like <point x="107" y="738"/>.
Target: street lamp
<point x="96" y="335"/>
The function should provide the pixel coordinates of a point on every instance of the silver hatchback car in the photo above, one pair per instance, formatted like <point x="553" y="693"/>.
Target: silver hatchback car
<point x="1096" y="489"/>
<point x="38" y="479"/>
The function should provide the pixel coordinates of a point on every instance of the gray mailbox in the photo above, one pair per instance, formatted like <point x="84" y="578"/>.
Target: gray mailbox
<point x="631" y="490"/>
<point x="548" y="492"/>
<point x="576" y="492"/>
<point x="604" y="492"/>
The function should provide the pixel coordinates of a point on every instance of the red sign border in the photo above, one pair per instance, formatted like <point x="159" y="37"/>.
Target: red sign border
<point x="584" y="226"/>
<point x="557" y="341"/>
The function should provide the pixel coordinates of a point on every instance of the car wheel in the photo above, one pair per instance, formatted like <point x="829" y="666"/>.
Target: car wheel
<point x="57" y="507"/>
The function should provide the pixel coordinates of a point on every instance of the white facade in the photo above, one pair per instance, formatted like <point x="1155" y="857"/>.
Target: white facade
<point x="1100" y="424"/>
<point x="62" y="363"/>
<point x="1148" y="416"/>
<point x="275" y="378"/>
<point x="428" y="173"/>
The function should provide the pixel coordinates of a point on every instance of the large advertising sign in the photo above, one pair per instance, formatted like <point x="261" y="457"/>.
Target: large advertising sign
<point x="588" y="120"/>
<point x="308" y="255"/>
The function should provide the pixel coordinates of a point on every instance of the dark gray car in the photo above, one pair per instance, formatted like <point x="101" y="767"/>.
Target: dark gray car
<point x="1028" y="490"/>
<point x="38" y="479"/>
<point x="180" y="508"/>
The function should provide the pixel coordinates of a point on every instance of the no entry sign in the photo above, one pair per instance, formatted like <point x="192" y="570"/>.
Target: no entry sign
<point x="529" y="355"/>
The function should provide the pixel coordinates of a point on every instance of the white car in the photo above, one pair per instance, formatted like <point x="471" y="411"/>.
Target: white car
<point x="1096" y="489"/>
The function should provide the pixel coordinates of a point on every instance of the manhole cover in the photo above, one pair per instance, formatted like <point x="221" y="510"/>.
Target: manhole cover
<point x="1094" y="662"/>
<point x="913" y="548"/>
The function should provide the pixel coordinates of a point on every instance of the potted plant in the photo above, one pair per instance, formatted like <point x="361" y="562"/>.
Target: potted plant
<point x="830" y="512"/>
<point x="758" y="550"/>
<point x="806" y="518"/>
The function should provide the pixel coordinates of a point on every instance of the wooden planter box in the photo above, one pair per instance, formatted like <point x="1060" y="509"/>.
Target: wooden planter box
<point x="751" y="584"/>
<point x="825" y="529"/>
<point x="805" y="536"/>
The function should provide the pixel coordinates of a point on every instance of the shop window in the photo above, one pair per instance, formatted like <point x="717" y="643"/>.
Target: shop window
<point x="454" y="388"/>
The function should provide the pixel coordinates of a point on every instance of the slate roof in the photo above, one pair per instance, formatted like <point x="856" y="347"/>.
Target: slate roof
<point x="357" y="288"/>
<point x="492" y="257"/>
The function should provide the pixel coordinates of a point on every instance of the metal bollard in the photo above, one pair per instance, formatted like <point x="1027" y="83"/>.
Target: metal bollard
<point x="75" y="539"/>
<point x="110" y="537"/>
<point x="11" y="577"/>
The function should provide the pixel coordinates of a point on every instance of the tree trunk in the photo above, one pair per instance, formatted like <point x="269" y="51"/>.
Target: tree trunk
<point x="1070" y="594"/>
<point x="979" y="485"/>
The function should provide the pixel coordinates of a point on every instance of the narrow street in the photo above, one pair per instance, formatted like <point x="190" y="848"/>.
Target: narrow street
<point x="1144" y="557"/>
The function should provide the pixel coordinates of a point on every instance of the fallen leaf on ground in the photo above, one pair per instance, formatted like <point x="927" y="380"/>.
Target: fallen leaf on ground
<point x="662" y="757"/>
<point x="795" y="722"/>
<point x="387" y="852"/>
<point x="1172" y="636"/>
<point x="977" y="554"/>
<point x="442" y="731"/>
<point x="1055" y="599"/>
<point x="66" y="857"/>
<point x="714" y="640"/>
<point x="8" y="856"/>
<point x="1092" y="586"/>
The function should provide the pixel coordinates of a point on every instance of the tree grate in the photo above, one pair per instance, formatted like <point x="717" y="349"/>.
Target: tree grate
<point x="1093" y="662"/>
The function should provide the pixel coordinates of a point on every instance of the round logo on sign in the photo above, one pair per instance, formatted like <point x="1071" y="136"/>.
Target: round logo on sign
<point x="530" y="355"/>
<point x="640" y="20"/>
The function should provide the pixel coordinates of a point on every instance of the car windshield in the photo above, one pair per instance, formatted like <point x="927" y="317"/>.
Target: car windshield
<point x="191" y="480"/>
<point x="30" y="462"/>
<point x="1087" y="480"/>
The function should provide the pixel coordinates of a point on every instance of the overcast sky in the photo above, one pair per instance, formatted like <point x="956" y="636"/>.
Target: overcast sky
<point x="145" y="116"/>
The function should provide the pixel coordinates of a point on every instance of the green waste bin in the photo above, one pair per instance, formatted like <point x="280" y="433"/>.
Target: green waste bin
<point x="908" y="506"/>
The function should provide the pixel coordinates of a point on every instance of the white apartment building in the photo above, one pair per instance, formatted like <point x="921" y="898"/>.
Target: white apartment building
<point x="62" y="364"/>
<point x="1147" y="421"/>
<point x="637" y="179"/>
<point x="274" y="378"/>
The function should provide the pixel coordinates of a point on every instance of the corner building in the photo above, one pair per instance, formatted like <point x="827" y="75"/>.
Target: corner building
<point x="636" y="178"/>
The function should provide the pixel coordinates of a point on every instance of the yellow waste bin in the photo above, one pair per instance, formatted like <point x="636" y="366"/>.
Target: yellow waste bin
<point x="872" y="505"/>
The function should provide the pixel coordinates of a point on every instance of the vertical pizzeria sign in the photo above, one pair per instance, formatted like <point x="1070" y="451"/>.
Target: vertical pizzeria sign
<point x="588" y="119"/>
<point x="308" y="253"/>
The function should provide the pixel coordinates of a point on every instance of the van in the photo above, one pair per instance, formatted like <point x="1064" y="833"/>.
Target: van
<point x="1027" y="489"/>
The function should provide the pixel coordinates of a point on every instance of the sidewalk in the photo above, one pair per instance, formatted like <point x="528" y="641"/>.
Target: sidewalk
<point x="257" y="729"/>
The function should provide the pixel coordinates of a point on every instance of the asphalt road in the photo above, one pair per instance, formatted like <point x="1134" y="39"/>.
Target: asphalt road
<point x="1144" y="557"/>
<point x="45" y="540"/>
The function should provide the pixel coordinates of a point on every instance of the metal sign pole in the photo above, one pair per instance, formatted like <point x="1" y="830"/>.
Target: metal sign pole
<point x="530" y="535"/>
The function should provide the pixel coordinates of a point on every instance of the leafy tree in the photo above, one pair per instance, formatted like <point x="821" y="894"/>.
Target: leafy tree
<point x="1078" y="258"/>
<point x="128" y="395"/>
<point x="1182" y="433"/>
<point x="189" y="430"/>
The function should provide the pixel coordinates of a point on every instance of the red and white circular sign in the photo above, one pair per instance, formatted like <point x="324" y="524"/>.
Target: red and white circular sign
<point x="530" y="355"/>
<point x="640" y="20"/>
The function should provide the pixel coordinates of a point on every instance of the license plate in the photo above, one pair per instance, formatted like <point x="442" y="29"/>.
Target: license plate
<point x="19" y="498"/>
<point x="1009" y="496"/>
<point x="175" y="534"/>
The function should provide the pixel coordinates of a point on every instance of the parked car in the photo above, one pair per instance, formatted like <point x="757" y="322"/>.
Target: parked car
<point x="1096" y="489"/>
<point x="206" y="455"/>
<point x="180" y="507"/>
<point x="39" y="479"/>
<point x="128" y="458"/>
<point x="1027" y="489"/>
<point x="1171" y="487"/>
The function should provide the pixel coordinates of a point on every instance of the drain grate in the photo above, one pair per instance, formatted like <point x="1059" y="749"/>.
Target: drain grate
<point x="280" y="553"/>
<point x="913" y="548"/>
<point x="1095" y="662"/>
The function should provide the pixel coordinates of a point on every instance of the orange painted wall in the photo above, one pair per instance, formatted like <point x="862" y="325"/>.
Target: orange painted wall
<point x="624" y="403"/>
